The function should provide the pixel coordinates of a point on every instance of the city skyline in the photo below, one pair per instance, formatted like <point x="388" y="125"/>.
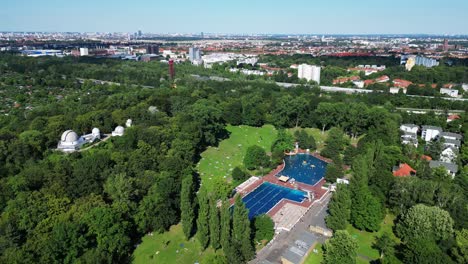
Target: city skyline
<point x="239" y="17"/>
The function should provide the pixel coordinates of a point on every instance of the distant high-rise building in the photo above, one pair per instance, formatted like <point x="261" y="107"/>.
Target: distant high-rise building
<point x="171" y="69"/>
<point x="194" y="54"/>
<point x="309" y="72"/>
<point x="202" y="35"/>
<point x="139" y="33"/>
<point x="152" y="49"/>
<point x="446" y="46"/>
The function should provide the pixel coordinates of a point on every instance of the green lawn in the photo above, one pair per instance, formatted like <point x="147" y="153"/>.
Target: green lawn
<point x="170" y="247"/>
<point x="218" y="162"/>
<point x="366" y="239"/>
<point x="315" y="258"/>
<point x="316" y="133"/>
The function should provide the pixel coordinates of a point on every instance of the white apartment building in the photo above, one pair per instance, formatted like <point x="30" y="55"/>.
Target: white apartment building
<point x="309" y="72"/>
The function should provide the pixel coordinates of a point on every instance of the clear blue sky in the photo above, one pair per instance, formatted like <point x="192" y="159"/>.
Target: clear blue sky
<point x="237" y="16"/>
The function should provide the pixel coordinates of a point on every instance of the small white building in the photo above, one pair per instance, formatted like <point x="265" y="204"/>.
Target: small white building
<point x="359" y="83"/>
<point x="449" y="92"/>
<point x="429" y="133"/>
<point x="128" y="123"/>
<point x="412" y="128"/>
<point x="396" y="90"/>
<point x="449" y="155"/>
<point x="118" y="131"/>
<point x="451" y="168"/>
<point x="342" y="180"/>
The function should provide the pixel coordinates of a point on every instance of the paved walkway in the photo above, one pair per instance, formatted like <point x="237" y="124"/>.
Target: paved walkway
<point x="315" y="216"/>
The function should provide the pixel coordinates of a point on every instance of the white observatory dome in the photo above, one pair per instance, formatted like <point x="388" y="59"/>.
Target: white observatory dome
<point x="119" y="130"/>
<point x="69" y="136"/>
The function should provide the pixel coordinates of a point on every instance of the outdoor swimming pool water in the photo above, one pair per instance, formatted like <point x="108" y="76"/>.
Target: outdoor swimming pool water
<point x="304" y="168"/>
<point x="267" y="195"/>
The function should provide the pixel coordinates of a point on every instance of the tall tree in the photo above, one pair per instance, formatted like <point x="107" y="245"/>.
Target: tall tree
<point x="187" y="204"/>
<point x="203" y="229"/>
<point x="241" y="232"/>
<point x="339" y="208"/>
<point x="341" y="248"/>
<point x="225" y="225"/>
<point x="215" y="229"/>
<point x="366" y="211"/>
<point x="385" y="245"/>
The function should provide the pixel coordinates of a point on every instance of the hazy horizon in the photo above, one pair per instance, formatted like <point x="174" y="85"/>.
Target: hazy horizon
<point x="239" y="17"/>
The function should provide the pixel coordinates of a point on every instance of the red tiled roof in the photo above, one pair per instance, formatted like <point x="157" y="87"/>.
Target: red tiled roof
<point x="367" y="82"/>
<point x="404" y="170"/>
<point x="401" y="83"/>
<point x="383" y="78"/>
<point x="425" y="157"/>
<point x="453" y="117"/>
<point x="346" y="79"/>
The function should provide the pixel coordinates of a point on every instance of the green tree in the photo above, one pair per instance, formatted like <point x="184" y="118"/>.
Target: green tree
<point x="203" y="228"/>
<point x="428" y="222"/>
<point x="305" y="140"/>
<point x="158" y="210"/>
<point x="239" y="175"/>
<point x="241" y="232"/>
<point x="225" y="225"/>
<point x="341" y="248"/>
<point x="460" y="251"/>
<point x="284" y="141"/>
<point x="424" y="251"/>
<point x="255" y="158"/>
<point x="435" y="148"/>
<point x="109" y="231"/>
<point x="209" y="115"/>
<point x="385" y="245"/>
<point x="333" y="172"/>
<point x="264" y="229"/>
<point x="215" y="229"/>
<point x="187" y="204"/>
<point x="335" y="143"/>
<point x="339" y="208"/>
<point x="366" y="210"/>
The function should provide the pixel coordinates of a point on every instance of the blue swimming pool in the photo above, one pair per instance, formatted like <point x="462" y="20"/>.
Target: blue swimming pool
<point x="304" y="168"/>
<point x="267" y="195"/>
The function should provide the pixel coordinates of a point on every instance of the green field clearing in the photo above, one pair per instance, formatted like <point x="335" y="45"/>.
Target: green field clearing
<point x="170" y="247"/>
<point x="365" y="240"/>
<point x="315" y="258"/>
<point x="217" y="163"/>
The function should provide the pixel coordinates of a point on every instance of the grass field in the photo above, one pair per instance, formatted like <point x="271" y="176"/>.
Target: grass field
<point x="315" y="258"/>
<point x="365" y="240"/>
<point x="217" y="163"/>
<point x="170" y="247"/>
